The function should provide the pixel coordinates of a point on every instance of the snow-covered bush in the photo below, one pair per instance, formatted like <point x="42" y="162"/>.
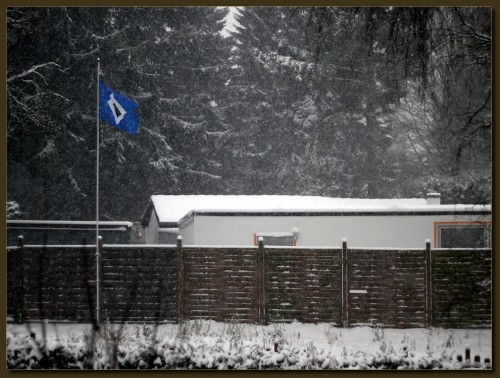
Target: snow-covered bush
<point x="194" y="345"/>
<point x="13" y="210"/>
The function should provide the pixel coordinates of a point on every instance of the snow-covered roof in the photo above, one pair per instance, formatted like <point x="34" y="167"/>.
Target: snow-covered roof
<point x="172" y="208"/>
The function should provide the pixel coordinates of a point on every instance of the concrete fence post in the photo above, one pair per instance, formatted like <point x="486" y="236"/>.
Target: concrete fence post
<point x="428" y="284"/>
<point x="262" y="283"/>
<point x="180" y="281"/>
<point x="345" y="296"/>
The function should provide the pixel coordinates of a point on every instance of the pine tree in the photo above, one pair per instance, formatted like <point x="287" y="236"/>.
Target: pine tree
<point x="45" y="118"/>
<point x="271" y="75"/>
<point x="176" y="76"/>
<point x="170" y="60"/>
<point x="291" y="57"/>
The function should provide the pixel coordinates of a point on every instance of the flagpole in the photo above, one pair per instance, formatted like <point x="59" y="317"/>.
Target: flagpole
<point x="97" y="200"/>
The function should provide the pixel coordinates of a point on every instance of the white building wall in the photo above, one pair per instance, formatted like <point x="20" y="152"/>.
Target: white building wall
<point x="167" y="235"/>
<point x="404" y="231"/>
<point x="152" y="229"/>
<point x="187" y="232"/>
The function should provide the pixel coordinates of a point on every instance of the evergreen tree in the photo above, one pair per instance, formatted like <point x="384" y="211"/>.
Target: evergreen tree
<point x="46" y="117"/>
<point x="258" y="90"/>
<point x="177" y="76"/>
<point x="319" y="121"/>
<point x="170" y="60"/>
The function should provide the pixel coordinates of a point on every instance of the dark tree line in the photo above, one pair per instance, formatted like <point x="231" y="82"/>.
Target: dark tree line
<point x="347" y="102"/>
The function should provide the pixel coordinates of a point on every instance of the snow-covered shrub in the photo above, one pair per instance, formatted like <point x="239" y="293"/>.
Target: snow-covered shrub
<point x="13" y="210"/>
<point x="331" y="333"/>
<point x="195" y="347"/>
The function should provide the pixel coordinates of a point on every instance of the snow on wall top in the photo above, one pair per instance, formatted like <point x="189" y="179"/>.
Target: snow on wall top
<point x="73" y="223"/>
<point x="172" y="208"/>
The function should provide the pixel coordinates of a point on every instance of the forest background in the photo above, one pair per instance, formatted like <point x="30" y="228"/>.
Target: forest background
<point x="384" y="102"/>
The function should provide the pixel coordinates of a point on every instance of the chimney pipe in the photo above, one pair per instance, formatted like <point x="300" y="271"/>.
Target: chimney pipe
<point x="433" y="199"/>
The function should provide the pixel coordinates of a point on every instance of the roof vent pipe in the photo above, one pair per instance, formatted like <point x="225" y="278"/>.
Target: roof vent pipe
<point x="433" y="198"/>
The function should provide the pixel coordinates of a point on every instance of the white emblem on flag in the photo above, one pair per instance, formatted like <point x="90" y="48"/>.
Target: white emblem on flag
<point x="116" y="109"/>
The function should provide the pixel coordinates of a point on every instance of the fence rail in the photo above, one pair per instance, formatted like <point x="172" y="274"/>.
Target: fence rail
<point x="341" y="286"/>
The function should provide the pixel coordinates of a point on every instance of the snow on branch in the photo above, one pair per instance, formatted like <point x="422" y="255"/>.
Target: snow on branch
<point x="16" y="23"/>
<point x="75" y="137"/>
<point x="111" y="35"/>
<point x="172" y="101"/>
<point x="87" y="53"/>
<point x="216" y="67"/>
<point x="158" y="137"/>
<point x="74" y="183"/>
<point x="21" y="104"/>
<point x="47" y="151"/>
<point x="272" y="60"/>
<point x="218" y="134"/>
<point x="251" y="154"/>
<point x="33" y="69"/>
<point x="205" y="174"/>
<point x="187" y="126"/>
<point x="203" y="69"/>
<point x="131" y="47"/>
<point x="163" y="164"/>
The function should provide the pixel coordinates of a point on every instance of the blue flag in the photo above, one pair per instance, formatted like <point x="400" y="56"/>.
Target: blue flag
<point x="117" y="110"/>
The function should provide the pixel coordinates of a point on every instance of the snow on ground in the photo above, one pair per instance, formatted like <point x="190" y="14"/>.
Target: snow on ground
<point x="295" y="345"/>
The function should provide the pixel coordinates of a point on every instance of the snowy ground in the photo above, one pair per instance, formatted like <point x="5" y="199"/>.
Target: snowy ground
<point x="210" y="344"/>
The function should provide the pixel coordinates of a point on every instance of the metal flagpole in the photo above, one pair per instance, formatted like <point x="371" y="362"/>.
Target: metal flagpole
<point x="97" y="199"/>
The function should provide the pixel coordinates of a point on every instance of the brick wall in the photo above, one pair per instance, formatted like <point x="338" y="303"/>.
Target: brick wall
<point x="461" y="288"/>
<point x="220" y="284"/>
<point x="388" y="288"/>
<point x="138" y="283"/>
<point x="13" y="281"/>
<point x="59" y="283"/>
<point x="392" y="288"/>
<point x="303" y="284"/>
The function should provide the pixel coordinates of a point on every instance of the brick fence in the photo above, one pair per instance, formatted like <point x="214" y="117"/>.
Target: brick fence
<point x="341" y="286"/>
